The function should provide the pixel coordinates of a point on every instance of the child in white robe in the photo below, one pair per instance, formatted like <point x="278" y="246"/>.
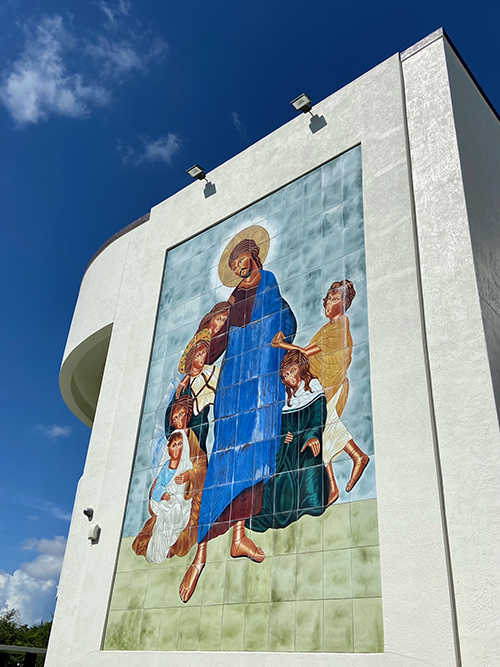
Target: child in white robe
<point x="168" y="499"/>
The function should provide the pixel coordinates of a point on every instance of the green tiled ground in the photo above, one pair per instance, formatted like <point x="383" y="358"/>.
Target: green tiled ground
<point x="318" y="590"/>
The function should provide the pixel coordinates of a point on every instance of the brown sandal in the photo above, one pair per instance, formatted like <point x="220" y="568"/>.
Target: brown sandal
<point x="243" y="547"/>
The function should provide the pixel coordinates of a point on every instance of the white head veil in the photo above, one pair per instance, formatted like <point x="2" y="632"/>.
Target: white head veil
<point x="172" y="516"/>
<point x="185" y="462"/>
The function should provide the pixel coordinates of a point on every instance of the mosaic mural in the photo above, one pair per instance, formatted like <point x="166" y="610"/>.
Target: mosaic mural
<point x="251" y="521"/>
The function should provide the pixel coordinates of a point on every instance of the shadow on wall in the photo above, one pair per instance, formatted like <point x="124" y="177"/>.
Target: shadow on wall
<point x="317" y="123"/>
<point x="209" y="189"/>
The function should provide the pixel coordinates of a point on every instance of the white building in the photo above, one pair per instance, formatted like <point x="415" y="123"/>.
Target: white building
<point x="392" y="184"/>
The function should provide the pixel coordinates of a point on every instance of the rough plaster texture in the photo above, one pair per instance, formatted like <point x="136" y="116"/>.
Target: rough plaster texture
<point x="478" y="137"/>
<point x="418" y="618"/>
<point x="468" y="437"/>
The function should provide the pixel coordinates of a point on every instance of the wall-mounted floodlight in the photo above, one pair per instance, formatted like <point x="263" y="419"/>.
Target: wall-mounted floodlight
<point x="302" y="103"/>
<point x="197" y="172"/>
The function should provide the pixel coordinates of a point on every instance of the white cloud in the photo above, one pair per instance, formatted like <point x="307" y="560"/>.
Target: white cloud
<point x="11" y="494"/>
<point x="126" y="152"/>
<point x="241" y="127"/>
<point x="162" y="149"/>
<point x="31" y="589"/>
<point x="116" y="57"/>
<point x="40" y="504"/>
<point x="42" y="82"/>
<point x="52" y="547"/>
<point x="55" y="431"/>
<point x="122" y="8"/>
<point x="39" y="84"/>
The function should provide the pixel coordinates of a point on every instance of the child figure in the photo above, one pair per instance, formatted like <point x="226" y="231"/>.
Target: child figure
<point x="300" y="485"/>
<point x="213" y="329"/>
<point x="193" y="480"/>
<point x="216" y="322"/>
<point x="169" y="500"/>
<point x="330" y="353"/>
<point x="199" y="383"/>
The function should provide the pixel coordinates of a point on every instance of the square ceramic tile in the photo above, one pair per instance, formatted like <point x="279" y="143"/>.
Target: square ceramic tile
<point x="155" y="588"/>
<point x="364" y="523"/>
<point x="309" y="534"/>
<point x="283" y="578"/>
<point x="282" y="626"/>
<point x="310" y="576"/>
<point x="259" y="581"/>
<point x="337" y="574"/>
<point x="137" y="590"/>
<point x="309" y="626"/>
<point x="285" y="540"/>
<point x="122" y="632"/>
<point x="210" y="628"/>
<point x="126" y="555"/>
<point x="150" y="627"/>
<point x="338" y="626"/>
<point x="119" y="598"/>
<point x="189" y="628"/>
<point x="233" y="627"/>
<point x="368" y="625"/>
<point x="236" y="581"/>
<point x="257" y="627"/>
<point x="168" y="633"/>
<point x="213" y="575"/>
<point x="366" y="572"/>
<point x="337" y="527"/>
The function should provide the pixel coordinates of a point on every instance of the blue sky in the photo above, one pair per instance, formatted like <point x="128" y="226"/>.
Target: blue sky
<point x="103" y="106"/>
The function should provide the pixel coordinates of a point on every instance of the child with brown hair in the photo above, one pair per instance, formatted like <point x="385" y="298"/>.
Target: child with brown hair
<point x="200" y="374"/>
<point x="169" y="499"/>
<point x="300" y="485"/>
<point x="330" y="354"/>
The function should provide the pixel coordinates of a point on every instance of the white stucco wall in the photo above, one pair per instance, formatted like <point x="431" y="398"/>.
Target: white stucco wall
<point x="466" y="424"/>
<point x="478" y="137"/>
<point x="403" y="305"/>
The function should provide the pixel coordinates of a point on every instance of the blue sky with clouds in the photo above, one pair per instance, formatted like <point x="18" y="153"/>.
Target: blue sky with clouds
<point x="103" y="105"/>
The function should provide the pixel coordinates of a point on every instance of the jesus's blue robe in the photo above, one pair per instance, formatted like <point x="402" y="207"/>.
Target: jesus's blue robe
<point x="248" y="404"/>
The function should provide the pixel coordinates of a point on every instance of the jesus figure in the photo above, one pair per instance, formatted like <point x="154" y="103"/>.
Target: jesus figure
<point x="247" y="406"/>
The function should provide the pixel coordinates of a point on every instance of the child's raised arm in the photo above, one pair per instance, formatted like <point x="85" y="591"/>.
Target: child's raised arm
<point x="310" y="350"/>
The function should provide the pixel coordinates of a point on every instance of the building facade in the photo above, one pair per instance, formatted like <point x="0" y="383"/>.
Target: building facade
<point x="292" y="375"/>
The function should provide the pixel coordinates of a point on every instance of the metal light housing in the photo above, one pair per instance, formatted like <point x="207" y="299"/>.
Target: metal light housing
<point x="197" y="172"/>
<point x="302" y="103"/>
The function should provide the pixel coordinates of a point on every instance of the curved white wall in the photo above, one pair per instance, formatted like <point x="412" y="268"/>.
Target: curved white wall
<point x="90" y="332"/>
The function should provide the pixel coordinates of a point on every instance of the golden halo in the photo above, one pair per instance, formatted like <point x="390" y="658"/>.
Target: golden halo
<point x="257" y="234"/>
